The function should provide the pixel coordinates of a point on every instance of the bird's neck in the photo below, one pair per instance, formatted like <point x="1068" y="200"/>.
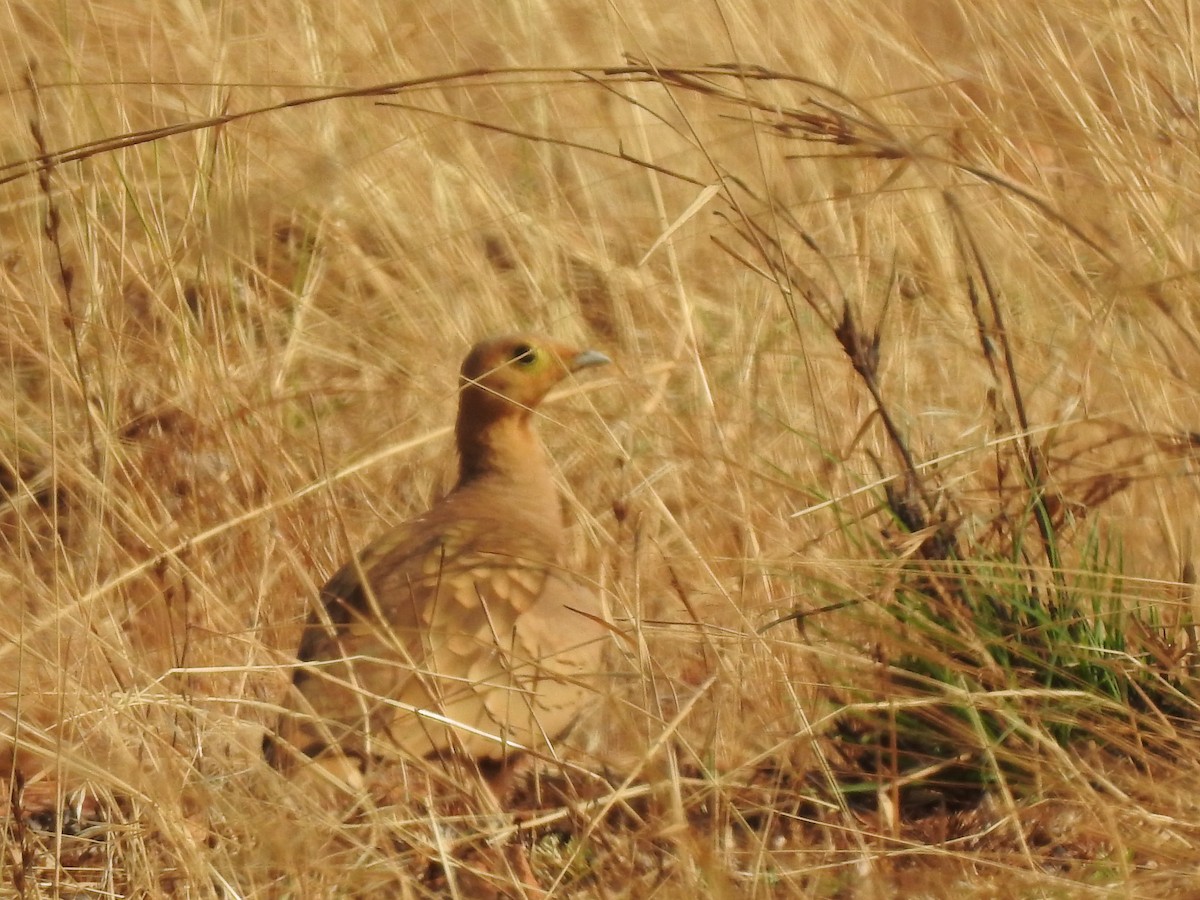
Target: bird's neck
<point x="502" y="448"/>
<point x="502" y="459"/>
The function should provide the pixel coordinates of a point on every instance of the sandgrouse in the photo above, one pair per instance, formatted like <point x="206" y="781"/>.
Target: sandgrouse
<point x="458" y="634"/>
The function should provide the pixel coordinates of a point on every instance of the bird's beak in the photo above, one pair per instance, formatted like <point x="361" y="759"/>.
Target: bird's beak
<point x="587" y="359"/>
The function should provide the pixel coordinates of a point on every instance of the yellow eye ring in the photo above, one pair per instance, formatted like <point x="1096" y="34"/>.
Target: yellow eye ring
<point x="523" y="355"/>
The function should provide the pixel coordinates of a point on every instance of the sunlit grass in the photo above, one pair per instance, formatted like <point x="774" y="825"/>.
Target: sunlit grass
<point x="890" y="492"/>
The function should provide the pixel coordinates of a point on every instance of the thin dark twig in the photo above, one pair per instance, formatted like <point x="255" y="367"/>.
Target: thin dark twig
<point x="862" y="349"/>
<point x="771" y="248"/>
<point x="21" y="864"/>
<point x="619" y="154"/>
<point x="462" y="78"/>
<point x="1034" y="466"/>
<point x="52" y="230"/>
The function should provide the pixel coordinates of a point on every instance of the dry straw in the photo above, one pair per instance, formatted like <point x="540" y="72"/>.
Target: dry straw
<point x="889" y="496"/>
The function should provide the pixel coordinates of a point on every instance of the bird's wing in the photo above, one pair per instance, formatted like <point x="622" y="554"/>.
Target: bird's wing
<point x="432" y="644"/>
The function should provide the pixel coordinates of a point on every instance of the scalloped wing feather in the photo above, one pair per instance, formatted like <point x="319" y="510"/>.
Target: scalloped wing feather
<point x="487" y="642"/>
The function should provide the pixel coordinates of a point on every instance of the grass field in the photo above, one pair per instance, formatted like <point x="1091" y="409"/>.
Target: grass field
<point x="890" y="494"/>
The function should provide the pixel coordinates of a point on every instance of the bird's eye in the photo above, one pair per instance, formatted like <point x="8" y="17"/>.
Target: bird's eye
<point x="523" y="355"/>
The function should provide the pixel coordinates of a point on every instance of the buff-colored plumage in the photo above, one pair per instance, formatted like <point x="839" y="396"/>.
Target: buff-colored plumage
<point x="458" y="632"/>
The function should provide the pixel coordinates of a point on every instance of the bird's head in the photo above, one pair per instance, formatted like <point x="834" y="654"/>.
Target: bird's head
<point x="503" y="380"/>
<point x="514" y="373"/>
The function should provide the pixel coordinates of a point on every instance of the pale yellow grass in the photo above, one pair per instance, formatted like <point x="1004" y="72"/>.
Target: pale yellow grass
<point x="253" y="369"/>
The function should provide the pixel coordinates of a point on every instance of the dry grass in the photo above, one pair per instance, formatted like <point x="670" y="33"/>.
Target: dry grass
<point x="899" y="298"/>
